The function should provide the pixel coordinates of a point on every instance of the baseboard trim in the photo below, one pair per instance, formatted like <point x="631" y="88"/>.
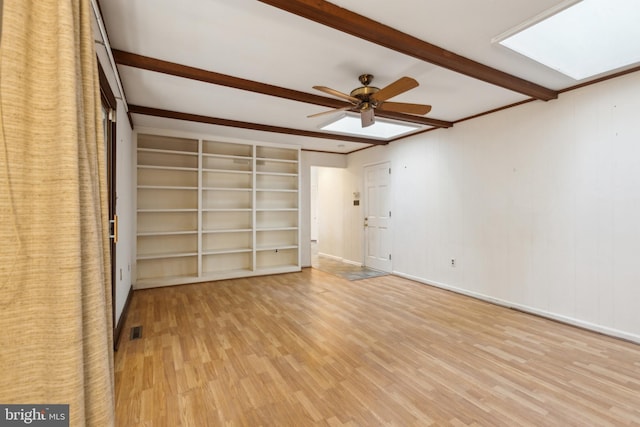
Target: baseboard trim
<point x="526" y="309"/>
<point x="117" y="333"/>
<point x="334" y="257"/>
<point x="348" y="261"/>
<point x="337" y="258"/>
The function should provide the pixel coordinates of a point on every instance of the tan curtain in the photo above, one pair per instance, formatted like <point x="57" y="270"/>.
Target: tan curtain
<point x="55" y="299"/>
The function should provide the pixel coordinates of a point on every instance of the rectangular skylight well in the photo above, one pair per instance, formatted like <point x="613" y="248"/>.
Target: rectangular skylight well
<point x="349" y="124"/>
<point x="588" y="38"/>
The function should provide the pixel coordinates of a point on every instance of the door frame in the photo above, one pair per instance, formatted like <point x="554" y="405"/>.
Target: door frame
<point x="110" y="104"/>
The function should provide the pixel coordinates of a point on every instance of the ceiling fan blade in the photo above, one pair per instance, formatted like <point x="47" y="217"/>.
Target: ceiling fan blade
<point x="401" y="85"/>
<point x="403" y="107"/>
<point x="367" y="117"/>
<point x="335" y="110"/>
<point x="337" y="93"/>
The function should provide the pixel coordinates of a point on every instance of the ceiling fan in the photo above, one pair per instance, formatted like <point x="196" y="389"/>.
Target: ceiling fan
<point x="366" y="99"/>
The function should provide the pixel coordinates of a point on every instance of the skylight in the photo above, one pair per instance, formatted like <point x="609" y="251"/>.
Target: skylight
<point x="581" y="39"/>
<point x="349" y="124"/>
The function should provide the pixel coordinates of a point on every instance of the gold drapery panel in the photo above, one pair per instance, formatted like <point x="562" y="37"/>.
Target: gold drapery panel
<point x="55" y="298"/>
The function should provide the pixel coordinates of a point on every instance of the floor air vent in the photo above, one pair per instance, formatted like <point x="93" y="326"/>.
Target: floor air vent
<point x="136" y="333"/>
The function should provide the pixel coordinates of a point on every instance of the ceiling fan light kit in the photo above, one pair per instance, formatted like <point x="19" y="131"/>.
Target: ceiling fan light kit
<point x="366" y="99"/>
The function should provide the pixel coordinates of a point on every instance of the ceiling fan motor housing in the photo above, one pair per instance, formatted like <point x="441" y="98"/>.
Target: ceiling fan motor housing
<point x="363" y="93"/>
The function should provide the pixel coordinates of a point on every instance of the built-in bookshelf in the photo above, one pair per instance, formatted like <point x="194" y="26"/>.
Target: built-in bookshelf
<point x="209" y="210"/>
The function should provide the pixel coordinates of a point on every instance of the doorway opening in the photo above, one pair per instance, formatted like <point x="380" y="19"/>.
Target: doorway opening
<point x="331" y="220"/>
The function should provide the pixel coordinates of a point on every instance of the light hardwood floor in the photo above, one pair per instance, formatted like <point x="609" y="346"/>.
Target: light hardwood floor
<point x="313" y="349"/>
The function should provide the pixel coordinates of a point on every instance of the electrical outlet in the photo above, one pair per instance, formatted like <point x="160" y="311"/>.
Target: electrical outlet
<point x="453" y="262"/>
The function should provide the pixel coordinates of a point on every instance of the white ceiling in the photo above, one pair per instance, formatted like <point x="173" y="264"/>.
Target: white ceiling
<point x="252" y="40"/>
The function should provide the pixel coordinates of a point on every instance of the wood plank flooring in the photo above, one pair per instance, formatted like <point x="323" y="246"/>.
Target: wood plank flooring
<point x="313" y="349"/>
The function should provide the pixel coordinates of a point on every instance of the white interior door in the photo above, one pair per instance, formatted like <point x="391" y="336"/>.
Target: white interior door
<point x="377" y="210"/>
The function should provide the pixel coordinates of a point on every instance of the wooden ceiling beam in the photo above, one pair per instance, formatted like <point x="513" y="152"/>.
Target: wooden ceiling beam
<point x="168" y="114"/>
<point x="179" y="70"/>
<point x="360" y="26"/>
